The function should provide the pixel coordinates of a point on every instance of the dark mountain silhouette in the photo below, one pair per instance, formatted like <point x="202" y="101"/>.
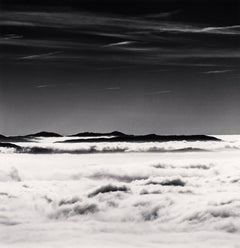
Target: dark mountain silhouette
<point x="27" y="138"/>
<point x="146" y="138"/>
<point x="92" y="134"/>
<point x="44" y="134"/>
<point x="14" y="139"/>
<point x="2" y="136"/>
<point x="9" y="145"/>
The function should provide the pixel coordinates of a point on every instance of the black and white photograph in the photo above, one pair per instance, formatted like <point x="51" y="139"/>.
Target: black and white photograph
<point x="119" y="124"/>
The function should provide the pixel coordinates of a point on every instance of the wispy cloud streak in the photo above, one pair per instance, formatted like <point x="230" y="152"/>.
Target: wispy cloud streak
<point x="83" y="19"/>
<point x="11" y="37"/>
<point x="84" y="37"/>
<point x="113" y="88"/>
<point x="122" y="43"/>
<point x="46" y="86"/>
<point x="44" y="55"/>
<point x="217" y="71"/>
<point x="159" y="92"/>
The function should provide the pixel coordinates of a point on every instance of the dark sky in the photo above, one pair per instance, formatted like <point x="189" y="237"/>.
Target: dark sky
<point x="138" y="66"/>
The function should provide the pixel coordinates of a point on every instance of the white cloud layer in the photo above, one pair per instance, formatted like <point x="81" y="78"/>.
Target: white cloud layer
<point x="122" y="199"/>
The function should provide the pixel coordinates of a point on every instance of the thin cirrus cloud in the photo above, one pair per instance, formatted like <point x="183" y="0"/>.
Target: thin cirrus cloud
<point x="11" y="37"/>
<point x="217" y="71"/>
<point x="83" y="19"/>
<point x="46" y="86"/>
<point x="49" y="85"/>
<point x="232" y="30"/>
<point x="228" y="30"/>
<point x="159" y="92"/>
<point x="43" y="55"/>
<point x="163" y="15"/>
<point x="85" y="37"/>
<point x="122" y="43"/>
<point x="113" y="88"/>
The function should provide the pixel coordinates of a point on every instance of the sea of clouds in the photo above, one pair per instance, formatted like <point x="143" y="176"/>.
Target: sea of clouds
<point x="54" y="146"/>
<point x="130" y="199"/>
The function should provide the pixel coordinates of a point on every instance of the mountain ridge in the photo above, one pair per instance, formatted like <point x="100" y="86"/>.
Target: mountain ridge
<point x="93" y="134"/>
<point x="28" y="137"/>
<point x="145" y="138"/>
<point x="115" y="136"/>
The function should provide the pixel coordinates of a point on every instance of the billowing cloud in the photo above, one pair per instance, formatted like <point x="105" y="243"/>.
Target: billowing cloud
<point x="131" y="196"/>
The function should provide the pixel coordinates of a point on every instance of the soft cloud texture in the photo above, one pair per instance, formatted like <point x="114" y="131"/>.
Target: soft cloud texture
<point x="121" y="200"/>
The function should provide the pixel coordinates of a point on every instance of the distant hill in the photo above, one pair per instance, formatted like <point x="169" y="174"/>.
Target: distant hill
<point x="14" y="139"/>
<point x="146" y="138"/>
<point x="92" y="134"/>
<point x="2" y="136"/>
<point x="44" y="134"/>
<point x="9" y="145"/>
<point x="27" y="138"/>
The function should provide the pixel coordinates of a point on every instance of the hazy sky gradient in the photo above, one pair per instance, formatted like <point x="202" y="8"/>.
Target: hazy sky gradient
<point x="134" y="66"/>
